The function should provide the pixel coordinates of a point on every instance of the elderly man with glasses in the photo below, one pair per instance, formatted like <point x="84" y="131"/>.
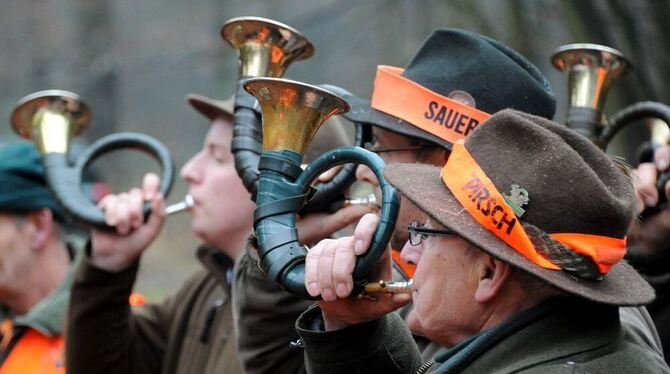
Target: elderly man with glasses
<point x="524" y="281"/>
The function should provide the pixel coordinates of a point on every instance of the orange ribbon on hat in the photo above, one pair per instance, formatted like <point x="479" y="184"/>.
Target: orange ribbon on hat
<point x="480" y="197"/>
<point x="441" y="116"/>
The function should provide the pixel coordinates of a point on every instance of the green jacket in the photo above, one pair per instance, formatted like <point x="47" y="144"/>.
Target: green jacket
<point x="190" y="332"/>
<point x="569" y="336"/>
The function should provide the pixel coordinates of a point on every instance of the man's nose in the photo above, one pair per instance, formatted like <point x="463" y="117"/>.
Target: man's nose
<point x="411" y="253"/>
<point x="189" y="172"/>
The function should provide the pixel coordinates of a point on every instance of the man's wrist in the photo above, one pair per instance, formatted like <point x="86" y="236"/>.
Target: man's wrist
<point x="112" y="264"/>
<point x="332" y="324"/>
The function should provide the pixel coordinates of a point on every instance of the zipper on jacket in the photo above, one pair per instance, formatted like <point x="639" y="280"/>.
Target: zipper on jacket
<point x="297" y="345"/>
<point x="209" y="320"/>
<point x="426" y="365"/>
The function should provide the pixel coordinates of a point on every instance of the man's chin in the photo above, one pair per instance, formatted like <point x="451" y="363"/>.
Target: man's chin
<point x="413" y="324"/>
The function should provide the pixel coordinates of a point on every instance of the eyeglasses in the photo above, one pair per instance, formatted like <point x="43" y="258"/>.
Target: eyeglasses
<point x="418" y="233"/>
<point x="371" y="147"/>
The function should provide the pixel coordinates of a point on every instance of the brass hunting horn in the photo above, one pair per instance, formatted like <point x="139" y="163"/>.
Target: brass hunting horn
<point x="50" y="119"/>
<point x="266" y="48"/>
<point x="591" y="70"/>
<point x="292" y="114"/>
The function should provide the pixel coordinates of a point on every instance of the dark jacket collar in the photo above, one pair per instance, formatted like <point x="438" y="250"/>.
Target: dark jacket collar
<point x="217" y="263"/>
<point x="571" y="325"/>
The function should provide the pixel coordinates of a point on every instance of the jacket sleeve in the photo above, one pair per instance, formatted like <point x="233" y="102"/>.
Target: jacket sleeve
<point x="380" y="346"/>
<point x="103" y="335"/>
<point x="264" y="317"/>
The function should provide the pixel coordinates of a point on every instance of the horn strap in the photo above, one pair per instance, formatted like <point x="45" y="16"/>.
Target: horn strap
<point x="441" y="116"/>
<point x="589" y="256"/>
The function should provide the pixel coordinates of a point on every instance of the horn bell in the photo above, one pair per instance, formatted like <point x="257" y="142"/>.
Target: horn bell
<point x="266" y="47"/>
<point x="591" y="70"/>
<point x="292" y="111"/>
<point x="50" y="119"/>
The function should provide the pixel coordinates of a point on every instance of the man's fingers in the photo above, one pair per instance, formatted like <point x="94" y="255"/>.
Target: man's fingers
<point x="150" y="185"/>
<point x="645" y="184"/>
<point x="329" y="174"/>
<point x="343" y="266"/>
<point x="364" y="232"/>
<point x="108" y="205"/>
<point x="325" y="276"/>
<point x="122" y="214"/>
<point x="136" y="204"/>
<point x="312" y="269"/>
<point x="157" y="212"/>
<point x="662" y="158"/>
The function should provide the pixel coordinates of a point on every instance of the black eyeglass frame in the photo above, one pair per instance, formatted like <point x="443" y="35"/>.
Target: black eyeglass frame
<point x="370" y="147"/>
<point x="416" y="230"/>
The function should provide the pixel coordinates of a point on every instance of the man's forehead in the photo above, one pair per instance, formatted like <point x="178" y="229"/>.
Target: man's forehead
<point x="219" y="135"/>
<point x="384" y="136"/>
<point x="217" y="145"/>
<point x="7" y="217"/>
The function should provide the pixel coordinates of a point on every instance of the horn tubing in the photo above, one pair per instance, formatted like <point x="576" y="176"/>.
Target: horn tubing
<point x="329" y="197"/>
<point x="632" y="113"/>
<point x="247" y="146"/>
<point x="390" y="204"/>
<point x="65" y="180"/>
<point x="627" y="116"/>
<point x="281" y="255"/>
<point x="585" y="121"/>
<point x="247" y="143"/>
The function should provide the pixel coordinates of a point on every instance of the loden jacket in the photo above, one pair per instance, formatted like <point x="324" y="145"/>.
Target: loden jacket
<point x="190" y="332"/>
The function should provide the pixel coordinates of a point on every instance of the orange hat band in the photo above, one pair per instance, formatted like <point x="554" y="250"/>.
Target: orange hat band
<point x="441" y="116"/>
<point x="480" y="197"/>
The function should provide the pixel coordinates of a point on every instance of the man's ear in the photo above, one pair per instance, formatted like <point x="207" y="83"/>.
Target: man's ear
<point x="493" y="275"/>
<point x="41" y="222"/>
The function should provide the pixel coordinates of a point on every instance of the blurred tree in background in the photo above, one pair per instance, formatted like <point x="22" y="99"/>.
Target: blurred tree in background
<point x="133" y="61"/>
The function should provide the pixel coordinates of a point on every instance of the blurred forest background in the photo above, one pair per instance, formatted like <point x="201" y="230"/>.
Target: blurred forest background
<point x="134" y="60"/>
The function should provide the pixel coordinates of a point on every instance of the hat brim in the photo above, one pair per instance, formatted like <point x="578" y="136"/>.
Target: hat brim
<point x="210" y="108"/>
<point x="422" y="185"/>
<point x="361" y="111"/>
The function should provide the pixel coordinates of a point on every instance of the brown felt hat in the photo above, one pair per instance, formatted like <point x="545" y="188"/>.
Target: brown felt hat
<point x="573" y="187"/>
<point x="212" y="108"/>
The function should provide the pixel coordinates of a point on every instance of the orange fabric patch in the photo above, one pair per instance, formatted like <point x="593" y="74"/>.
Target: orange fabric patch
<point x="136" y="299"/>
<point x="36" y="354"/>
<point x="605" y="251"/>
<point x="441" y="116"/>
<point x="480" y="197"/>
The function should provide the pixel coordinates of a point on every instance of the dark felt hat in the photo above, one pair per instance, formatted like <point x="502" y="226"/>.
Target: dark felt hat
<point x="23" y="188"/>
<point x="212" y="108"/>
<point x="454" y="61"/>
<point x="572" y="186"/>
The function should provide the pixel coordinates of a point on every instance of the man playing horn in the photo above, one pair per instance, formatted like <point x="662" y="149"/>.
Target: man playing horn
<point x="192" y="330"/>
<point x="537" y="293"/>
